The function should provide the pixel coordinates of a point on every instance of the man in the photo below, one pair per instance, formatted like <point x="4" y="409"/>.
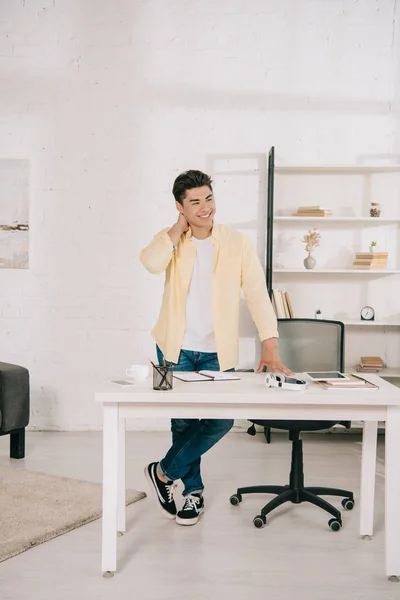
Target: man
<point x="206" y="265"/>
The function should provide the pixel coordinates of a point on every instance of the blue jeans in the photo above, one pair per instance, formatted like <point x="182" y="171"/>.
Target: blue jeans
<point x="192" y="437"/>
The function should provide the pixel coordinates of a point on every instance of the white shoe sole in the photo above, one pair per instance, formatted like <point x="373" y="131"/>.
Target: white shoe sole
<point x="189" y="521"/>
<point x="164" y="512"/>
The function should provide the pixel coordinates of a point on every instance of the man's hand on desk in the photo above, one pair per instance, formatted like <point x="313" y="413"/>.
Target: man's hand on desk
<point x="270" y="358"/>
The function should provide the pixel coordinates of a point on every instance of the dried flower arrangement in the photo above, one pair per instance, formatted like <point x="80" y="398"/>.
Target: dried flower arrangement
<point x="311" y="239"/>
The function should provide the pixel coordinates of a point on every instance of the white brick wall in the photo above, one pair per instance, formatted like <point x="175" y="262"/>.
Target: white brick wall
<point x="109" y="101"/>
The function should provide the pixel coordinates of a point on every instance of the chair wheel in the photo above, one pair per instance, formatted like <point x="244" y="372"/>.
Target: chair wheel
<point x="259" y="521"/>
<point x="334" y="524"/>
<point x="348" y="503"/>
<point x="235" y="499"/>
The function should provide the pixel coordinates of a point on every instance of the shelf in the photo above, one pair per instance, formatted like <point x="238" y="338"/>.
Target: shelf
<point x="372" y="220"/>
<point x="345" y="169"/>
<point x="386" y="373"/>
<point x="359" y="322"/>
<point x="303" y="270"/>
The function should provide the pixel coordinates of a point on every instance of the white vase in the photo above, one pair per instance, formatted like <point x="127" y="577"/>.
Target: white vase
<point x="372" y="248"/>
<point x="318" y="316"/>
<point x="309" y="262"/>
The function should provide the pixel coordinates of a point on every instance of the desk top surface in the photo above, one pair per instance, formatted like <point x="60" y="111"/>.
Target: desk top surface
<point x="250" y="389"/>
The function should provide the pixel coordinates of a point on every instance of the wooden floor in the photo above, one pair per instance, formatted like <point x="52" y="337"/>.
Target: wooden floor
<point x="296" y="557"/>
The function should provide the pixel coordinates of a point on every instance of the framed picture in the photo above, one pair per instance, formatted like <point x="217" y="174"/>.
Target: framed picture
<point x="14" y="213"/>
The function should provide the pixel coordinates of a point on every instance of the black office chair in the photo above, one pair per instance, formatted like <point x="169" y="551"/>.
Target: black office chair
<point x="304" y="345"/>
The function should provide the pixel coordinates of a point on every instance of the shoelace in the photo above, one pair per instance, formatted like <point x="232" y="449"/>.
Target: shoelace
<point x="170" y="491"/>
<point x="191" y="502"/>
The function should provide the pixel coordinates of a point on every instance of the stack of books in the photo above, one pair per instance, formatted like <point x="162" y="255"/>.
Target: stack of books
<point x="370" y="260"/>
<point x="282" y="305"/>
<point x="312" y="211"/>
<point x="371" y="364"/>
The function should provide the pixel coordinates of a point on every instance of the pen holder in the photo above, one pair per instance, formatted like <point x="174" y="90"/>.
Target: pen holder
<point x="162" y="377"/>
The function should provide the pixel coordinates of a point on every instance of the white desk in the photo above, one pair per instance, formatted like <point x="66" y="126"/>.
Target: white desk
<point x="250" y="399"/>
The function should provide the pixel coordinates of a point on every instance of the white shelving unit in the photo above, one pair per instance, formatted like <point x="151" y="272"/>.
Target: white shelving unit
<point x="373" y="272"/>
<point x="378" y="323"/>
<point x="342" y="169"/>
<point x="348" y="193"/>
<point x="328" y="220"/>
<point x="385" y="373"/>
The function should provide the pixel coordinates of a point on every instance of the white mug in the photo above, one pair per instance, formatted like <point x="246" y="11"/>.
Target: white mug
<point x="137" y="372"/>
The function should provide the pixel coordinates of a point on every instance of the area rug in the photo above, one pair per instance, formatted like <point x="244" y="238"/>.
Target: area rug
<point x="36" y="507"/>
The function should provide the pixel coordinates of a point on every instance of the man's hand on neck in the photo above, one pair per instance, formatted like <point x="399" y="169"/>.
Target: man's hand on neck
<point x="180" y="227"/>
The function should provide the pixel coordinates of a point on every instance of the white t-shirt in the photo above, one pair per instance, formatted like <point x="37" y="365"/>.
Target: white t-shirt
<point x="199" y="335"/>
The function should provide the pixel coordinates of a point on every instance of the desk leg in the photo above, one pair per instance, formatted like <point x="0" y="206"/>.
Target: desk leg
<point x="121" y="525"/>
<point x="368" y="474"/>
<point x="110" y="488"/>
<point x="392" y="493"/>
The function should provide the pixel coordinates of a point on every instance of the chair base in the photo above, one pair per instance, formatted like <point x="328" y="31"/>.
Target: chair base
<point x="296" y="492"/>
<point x="284" y="493"/>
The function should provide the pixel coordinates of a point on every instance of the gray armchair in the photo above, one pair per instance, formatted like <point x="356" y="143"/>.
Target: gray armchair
<point x="14" y="406"/>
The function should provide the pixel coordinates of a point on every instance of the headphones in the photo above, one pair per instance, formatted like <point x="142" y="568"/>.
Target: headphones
<point x="280" y="380"/>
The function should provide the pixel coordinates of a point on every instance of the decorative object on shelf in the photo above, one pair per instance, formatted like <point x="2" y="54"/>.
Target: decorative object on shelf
<point x="318" y="314"/>
<point x="312" y="211"/>
<point x="311" y="240"/>
<point x="375" y="210"/>
<point x="367" y="313"/>
<point x="309" y="262"/>
<point x="370" y="260"/>
<point x="370" y="364"/>
<point x="373" y="246"/>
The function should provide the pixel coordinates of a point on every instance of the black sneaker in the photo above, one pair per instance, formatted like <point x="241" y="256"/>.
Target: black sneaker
<point x="164" y="491"/>
<point x="191" y="510"/>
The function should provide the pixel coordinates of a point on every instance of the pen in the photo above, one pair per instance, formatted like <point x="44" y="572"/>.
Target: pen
<point x="205" y="375"/>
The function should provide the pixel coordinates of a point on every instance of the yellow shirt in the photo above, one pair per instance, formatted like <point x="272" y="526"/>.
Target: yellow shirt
<point x="236" y="266"/>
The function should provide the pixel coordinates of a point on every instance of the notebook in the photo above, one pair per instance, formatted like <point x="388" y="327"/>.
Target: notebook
<point x="205" y="376"/>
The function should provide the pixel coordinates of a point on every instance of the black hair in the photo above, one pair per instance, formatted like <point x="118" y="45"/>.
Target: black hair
<point x="187" y="181"/>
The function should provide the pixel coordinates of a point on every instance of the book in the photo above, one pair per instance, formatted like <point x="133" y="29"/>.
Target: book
<point x="321" y="211"/>
<point x="354" y="382"/>
<point x="372" y="255"/>
<point x="291" y="314"/>
<point x="285" y="305"/>
<point x="369" y="267"/>
<point x="279" y="304"/>
<point x="371" y="360"/>
<point x="358" y="261"/>
<point x="314" y="213"/>
<point x="204" y="376"/>
<point x="311" y="208"/>
<point x="369" y="262"/>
